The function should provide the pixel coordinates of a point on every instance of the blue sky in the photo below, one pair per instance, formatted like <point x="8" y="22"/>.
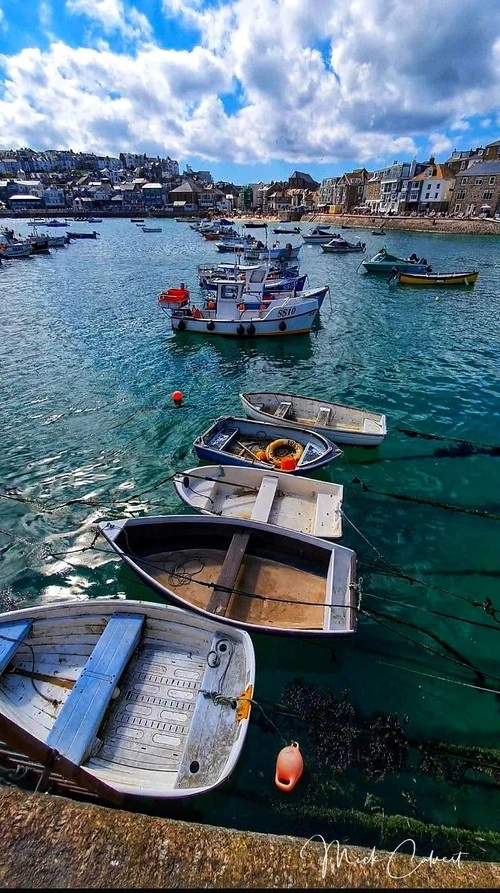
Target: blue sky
<point x="252" y="89"/>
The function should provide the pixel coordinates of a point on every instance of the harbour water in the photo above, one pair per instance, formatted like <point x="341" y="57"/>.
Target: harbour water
<point x="89" y="431"/>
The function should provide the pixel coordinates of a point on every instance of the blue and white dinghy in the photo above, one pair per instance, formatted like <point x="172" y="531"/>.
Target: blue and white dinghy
<point x="125" y="697"/>
<point x="255" y="444"/>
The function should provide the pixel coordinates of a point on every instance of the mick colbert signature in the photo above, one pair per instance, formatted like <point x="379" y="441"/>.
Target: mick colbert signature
<point x="334" y="855"/>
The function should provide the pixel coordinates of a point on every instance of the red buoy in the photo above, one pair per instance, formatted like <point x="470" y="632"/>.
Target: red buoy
<point x="289" y="767"/>
<point x="177" y="397"/>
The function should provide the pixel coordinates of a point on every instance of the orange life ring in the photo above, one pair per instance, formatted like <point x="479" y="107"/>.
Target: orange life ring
<point x="290" y="445"/>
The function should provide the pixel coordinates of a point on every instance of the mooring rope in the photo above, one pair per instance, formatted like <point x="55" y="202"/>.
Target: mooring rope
<point x="412" y="432"/>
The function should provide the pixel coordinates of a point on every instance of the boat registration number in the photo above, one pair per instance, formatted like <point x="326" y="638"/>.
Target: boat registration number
<point x="287" y="311"/>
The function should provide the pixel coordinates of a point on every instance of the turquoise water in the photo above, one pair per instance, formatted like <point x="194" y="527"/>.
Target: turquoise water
<point x="89" y="431"/>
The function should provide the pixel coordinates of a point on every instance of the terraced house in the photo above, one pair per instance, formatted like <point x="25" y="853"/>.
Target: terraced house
<point x="477" y="190"/>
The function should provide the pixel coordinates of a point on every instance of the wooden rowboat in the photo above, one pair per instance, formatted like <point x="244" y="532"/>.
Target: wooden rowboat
<point x="339" y="423"/>
<point x="125" y="698"/>
<point x="467" y="278"/>
<point x="296" y="503"/>
<point x="265" y="445"/>
<point x="243" y="573"/>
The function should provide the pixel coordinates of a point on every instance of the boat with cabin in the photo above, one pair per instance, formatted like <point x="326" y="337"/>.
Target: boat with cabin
<point x="339" y="245"/>
<point x="385" y="263"/>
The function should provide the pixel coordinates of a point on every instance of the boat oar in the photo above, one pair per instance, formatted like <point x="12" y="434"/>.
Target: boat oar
<point x="243" y="447"/>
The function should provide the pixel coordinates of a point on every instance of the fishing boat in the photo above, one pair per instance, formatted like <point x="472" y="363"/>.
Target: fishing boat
<point x="126" y="698"/>
<point x="318" y="235"/>
<point x="243" y="573"/>
<point x="94" y="219"/>
<point x="266" y="445"/>
<point x="296" y="503"/>
<point x="76" y="235"/>
<point x="56" y="222"/>
<point x="236" y="311"/>
<point x="384" y="262"/>
<point x="253" y="224"/>
<point x="282" y="230"/>
<point x="338" y="245"/>
<point x="378" y="232"/>
<point x="137" y="219"/>
<point x="151" y="229"/>
<point x="428" y="279"/>
<point x="342" y="424"/>
<point x="281" y="253"/>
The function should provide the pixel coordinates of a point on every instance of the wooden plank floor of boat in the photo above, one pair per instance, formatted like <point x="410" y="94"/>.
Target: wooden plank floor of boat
<point x="192" y="574"/>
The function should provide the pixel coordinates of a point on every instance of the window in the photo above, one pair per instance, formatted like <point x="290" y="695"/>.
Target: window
<point x="491" y="181"/>
<point x="460" y="195"/>
<point x="464" y="181"/>
<point x="487" y="195"/>
<point x="478" y="181"/>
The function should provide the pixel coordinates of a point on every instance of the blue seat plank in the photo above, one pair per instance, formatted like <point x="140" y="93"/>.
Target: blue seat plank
<point x="77" y="724"/>
<point x="11" y="636"/>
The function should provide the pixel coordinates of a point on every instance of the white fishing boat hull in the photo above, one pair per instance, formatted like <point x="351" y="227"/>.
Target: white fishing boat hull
<point x="339" y="423"/>
<point x="111" y="692"/>
<point x="287" y="316"/>
<point x="295" y="503"/>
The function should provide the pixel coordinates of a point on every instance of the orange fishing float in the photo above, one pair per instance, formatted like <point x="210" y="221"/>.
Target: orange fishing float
<point x="289" y="767"/>
<point x="177" y="397"/>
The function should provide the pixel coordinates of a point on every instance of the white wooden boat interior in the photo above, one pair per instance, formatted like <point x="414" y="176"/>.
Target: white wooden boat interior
<point x="111" y="693"/>
<point x="334" y="420"/>
<point x="245" y="572"/>
<point x="290" y="501"/>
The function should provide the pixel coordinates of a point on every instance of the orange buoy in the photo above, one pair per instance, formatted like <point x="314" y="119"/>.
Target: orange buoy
<point x="288" y="463"/>
<point x="177" y="397"/>
<point x="289" y="767"/>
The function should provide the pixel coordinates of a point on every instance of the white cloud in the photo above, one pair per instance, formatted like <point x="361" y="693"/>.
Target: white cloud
<point x="112" y="15"/>
<point x="322" y="81"/>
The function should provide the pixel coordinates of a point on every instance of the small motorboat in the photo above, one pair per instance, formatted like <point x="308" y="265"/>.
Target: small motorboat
<point x="76" y="235"/>
<point x="242" y="573"/>
<point x="265" y="444"/>
<point x="318" y="235"/>
<point x="338" y="245"/>
<point x="283" y="230"/>
<point x="384" y="262"/>
<point x="296" y="503"/>
<point x="467" y="278"/>
<point x="125" y="698"/>
<point x="339" y="423"/>
<point x="378" y="232"/>
<point x="151" y="229"/>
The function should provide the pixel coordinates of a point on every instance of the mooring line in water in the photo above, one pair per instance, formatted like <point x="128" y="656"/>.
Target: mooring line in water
<point x="412" y="432"/>
<point x="460" y="660"/>
<point x="479" y="513"/>
<point x="391" y="571"/>
<point x="491" y="691"/>
<point x="394" y="601"/>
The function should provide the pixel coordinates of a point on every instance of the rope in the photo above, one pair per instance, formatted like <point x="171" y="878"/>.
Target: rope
<point x="492" y="516"/>
<point x="412" y="432"/>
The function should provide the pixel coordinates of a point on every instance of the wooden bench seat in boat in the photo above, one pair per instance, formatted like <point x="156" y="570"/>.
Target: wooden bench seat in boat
<point x="325" y="508"/>
<point x="283" y="409"/>
<point x="11" y="636"/>
<point x="230" y="569"/>
<point x="78" y="721"/>
<point x="323" y="417"/>
<point x="221" y="439"/>
<point x="265" y="498"/>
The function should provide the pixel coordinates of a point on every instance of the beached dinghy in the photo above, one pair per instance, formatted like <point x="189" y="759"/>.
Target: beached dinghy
<point x="296" y="503"/>
<point x="342" y="424"/>
<point x="266" y="445"/>
<point x="244" y="573"/>
<point x="125" y="697"/>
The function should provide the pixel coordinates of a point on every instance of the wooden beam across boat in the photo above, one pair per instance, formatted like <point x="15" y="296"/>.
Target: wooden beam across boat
<point x="230" y="569"/>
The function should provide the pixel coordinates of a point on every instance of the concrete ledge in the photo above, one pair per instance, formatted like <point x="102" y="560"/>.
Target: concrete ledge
<point x="49" y="841"/>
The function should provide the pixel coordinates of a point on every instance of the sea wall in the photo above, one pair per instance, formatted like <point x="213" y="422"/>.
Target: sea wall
<point x="472" y="226"/>
<point x="48" y="841"/>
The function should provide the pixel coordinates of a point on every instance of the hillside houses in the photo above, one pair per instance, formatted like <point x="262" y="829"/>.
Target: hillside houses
<point x="467" y="183"/>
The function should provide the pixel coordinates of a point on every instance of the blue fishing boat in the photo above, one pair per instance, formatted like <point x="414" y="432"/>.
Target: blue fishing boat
<point x="255" y="444"/>
<point x="384" y="262"/>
